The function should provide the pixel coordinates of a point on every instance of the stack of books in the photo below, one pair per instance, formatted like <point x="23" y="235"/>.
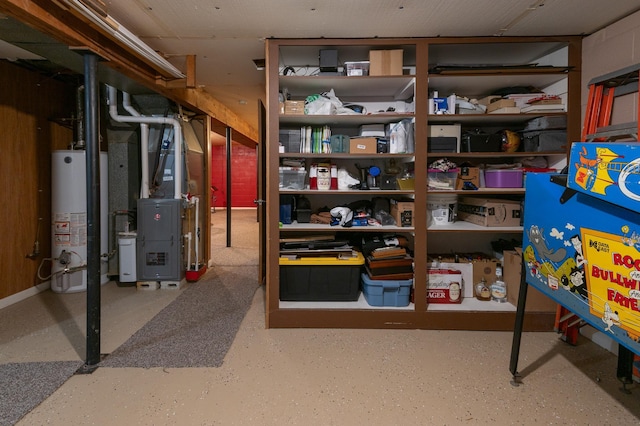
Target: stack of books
<point x="389" y="263"/>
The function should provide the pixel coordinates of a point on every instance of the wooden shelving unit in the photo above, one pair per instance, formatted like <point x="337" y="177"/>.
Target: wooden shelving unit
<point x="420" y="55"/>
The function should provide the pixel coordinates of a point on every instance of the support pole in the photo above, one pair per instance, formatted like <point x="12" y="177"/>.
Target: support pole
<point x="518" y="326"/>
<point x="228" y="186"/>
<point x="91" y="107"/>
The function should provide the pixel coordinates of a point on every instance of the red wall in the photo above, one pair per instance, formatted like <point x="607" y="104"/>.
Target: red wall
<point x="244" y="176"/>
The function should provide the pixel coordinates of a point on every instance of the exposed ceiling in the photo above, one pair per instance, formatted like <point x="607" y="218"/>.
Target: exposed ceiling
<point x="227" y="35"/>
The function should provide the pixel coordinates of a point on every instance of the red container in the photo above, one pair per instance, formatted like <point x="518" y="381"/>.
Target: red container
<point x="503" y="178"/>
<point x="193" y="275"/>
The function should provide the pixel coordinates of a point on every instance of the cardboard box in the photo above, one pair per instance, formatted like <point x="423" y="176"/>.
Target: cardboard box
<point x="468" y="174"/>
<point x="505" y="110"/>
<point x="402" y="212"/>
<point x="502" y="103"/>
<point x="294" y="107"/>
<point x="466" y="268"/>
<point x="368" y="145"/>
<point x="511" y="268"/>
<point x="489" y="211"/>
<point x="444" y="285"/>
<point x="385" y="62"/>
<point x="488" y="99"/>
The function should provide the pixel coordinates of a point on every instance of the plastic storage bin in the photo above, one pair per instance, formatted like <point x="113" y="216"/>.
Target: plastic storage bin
<point x="444" y="181"/>
<point x="321" y="278"/>
<point x="386" y="292"/>
<point x="357" y="68"/>
<point x="292" y="177"/>
<point x="511" y="178"/>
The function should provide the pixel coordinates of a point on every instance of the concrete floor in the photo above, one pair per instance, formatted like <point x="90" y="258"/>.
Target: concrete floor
<point x="312" y="376"/>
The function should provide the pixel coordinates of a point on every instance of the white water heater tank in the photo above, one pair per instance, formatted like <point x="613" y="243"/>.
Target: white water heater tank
<point x="69" y="220"/>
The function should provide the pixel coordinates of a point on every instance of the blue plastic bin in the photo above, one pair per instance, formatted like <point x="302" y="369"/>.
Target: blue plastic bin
<point x="386" y="292"/>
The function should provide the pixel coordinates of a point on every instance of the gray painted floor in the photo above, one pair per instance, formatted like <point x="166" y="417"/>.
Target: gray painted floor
<point x="311" y="376"/>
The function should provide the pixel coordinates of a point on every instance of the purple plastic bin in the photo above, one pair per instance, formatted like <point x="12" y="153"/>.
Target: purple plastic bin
<point x="503" y="178"/>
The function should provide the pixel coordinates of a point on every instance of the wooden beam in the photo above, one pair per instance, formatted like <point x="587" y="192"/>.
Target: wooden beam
<point x="191" y="71"/>
<point x="51" y="19"/>
<point x="203" y="101"/>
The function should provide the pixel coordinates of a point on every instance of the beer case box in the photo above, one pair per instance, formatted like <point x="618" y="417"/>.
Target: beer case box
<point x="385" y="62"/>
<point x="465" y="268"/>
<point x="489" y="212"/>
<point x="444" y="285"/>
<point x="511" y="273"/>
<point x="386" y="292"/>
<point x="474" y="268"/>
<point x="330" y="279"/>
<point x="402" y="212"/>
<point x="363" y="145"/>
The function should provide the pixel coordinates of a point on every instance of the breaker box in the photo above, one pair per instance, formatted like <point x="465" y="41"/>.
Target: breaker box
<point x="159" y="241"/>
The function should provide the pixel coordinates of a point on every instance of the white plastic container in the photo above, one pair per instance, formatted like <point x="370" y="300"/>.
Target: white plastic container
<point x="127" y="257"/>
<point x="441" y="209"/>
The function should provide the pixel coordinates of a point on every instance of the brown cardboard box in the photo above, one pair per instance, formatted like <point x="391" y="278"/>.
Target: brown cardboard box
<point x="385" y="62"/>
<point x="536" y="301"/>
<point x="489" y="211"/>
<point x="368" y="145"/>
<point x="468" y="174"/>
<point x="502" y="103"/>
<point x="294" y="107"/>
<point x="402" y="212"/>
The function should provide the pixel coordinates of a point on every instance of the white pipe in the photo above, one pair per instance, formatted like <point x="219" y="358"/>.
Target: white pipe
<point x="188" y="237"/>
<point x="177" y="135"/>
<point x="197" y="242"/>
<point x="144" y="145"/>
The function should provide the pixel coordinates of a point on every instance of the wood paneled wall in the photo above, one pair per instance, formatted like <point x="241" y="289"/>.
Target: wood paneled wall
<point x="30" y="103"/>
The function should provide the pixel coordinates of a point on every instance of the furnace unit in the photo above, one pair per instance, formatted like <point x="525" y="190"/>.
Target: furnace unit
<point x="159" y="241"/>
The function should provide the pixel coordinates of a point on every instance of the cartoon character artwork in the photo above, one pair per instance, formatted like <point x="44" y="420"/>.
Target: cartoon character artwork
<point x="539" y="243"/>
<point x="610" y="318"/>
<point x="578" y="282"/>
<point x="576" y="243"/>
<point x="592" y="173"/>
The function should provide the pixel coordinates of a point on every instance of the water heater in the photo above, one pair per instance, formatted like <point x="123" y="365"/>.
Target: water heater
<point x="69" y="220"/>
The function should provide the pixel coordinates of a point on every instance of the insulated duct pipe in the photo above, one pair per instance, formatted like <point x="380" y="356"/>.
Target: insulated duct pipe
<point x="177" y="137"/>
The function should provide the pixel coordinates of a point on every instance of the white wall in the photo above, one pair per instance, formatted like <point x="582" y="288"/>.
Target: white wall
<point x="610" y="49"/>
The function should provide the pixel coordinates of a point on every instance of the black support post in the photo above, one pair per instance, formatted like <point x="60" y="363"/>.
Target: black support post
<point x="91" y="124"/>
<point x="518" y="326"/>
<point x="229" y="186"/>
